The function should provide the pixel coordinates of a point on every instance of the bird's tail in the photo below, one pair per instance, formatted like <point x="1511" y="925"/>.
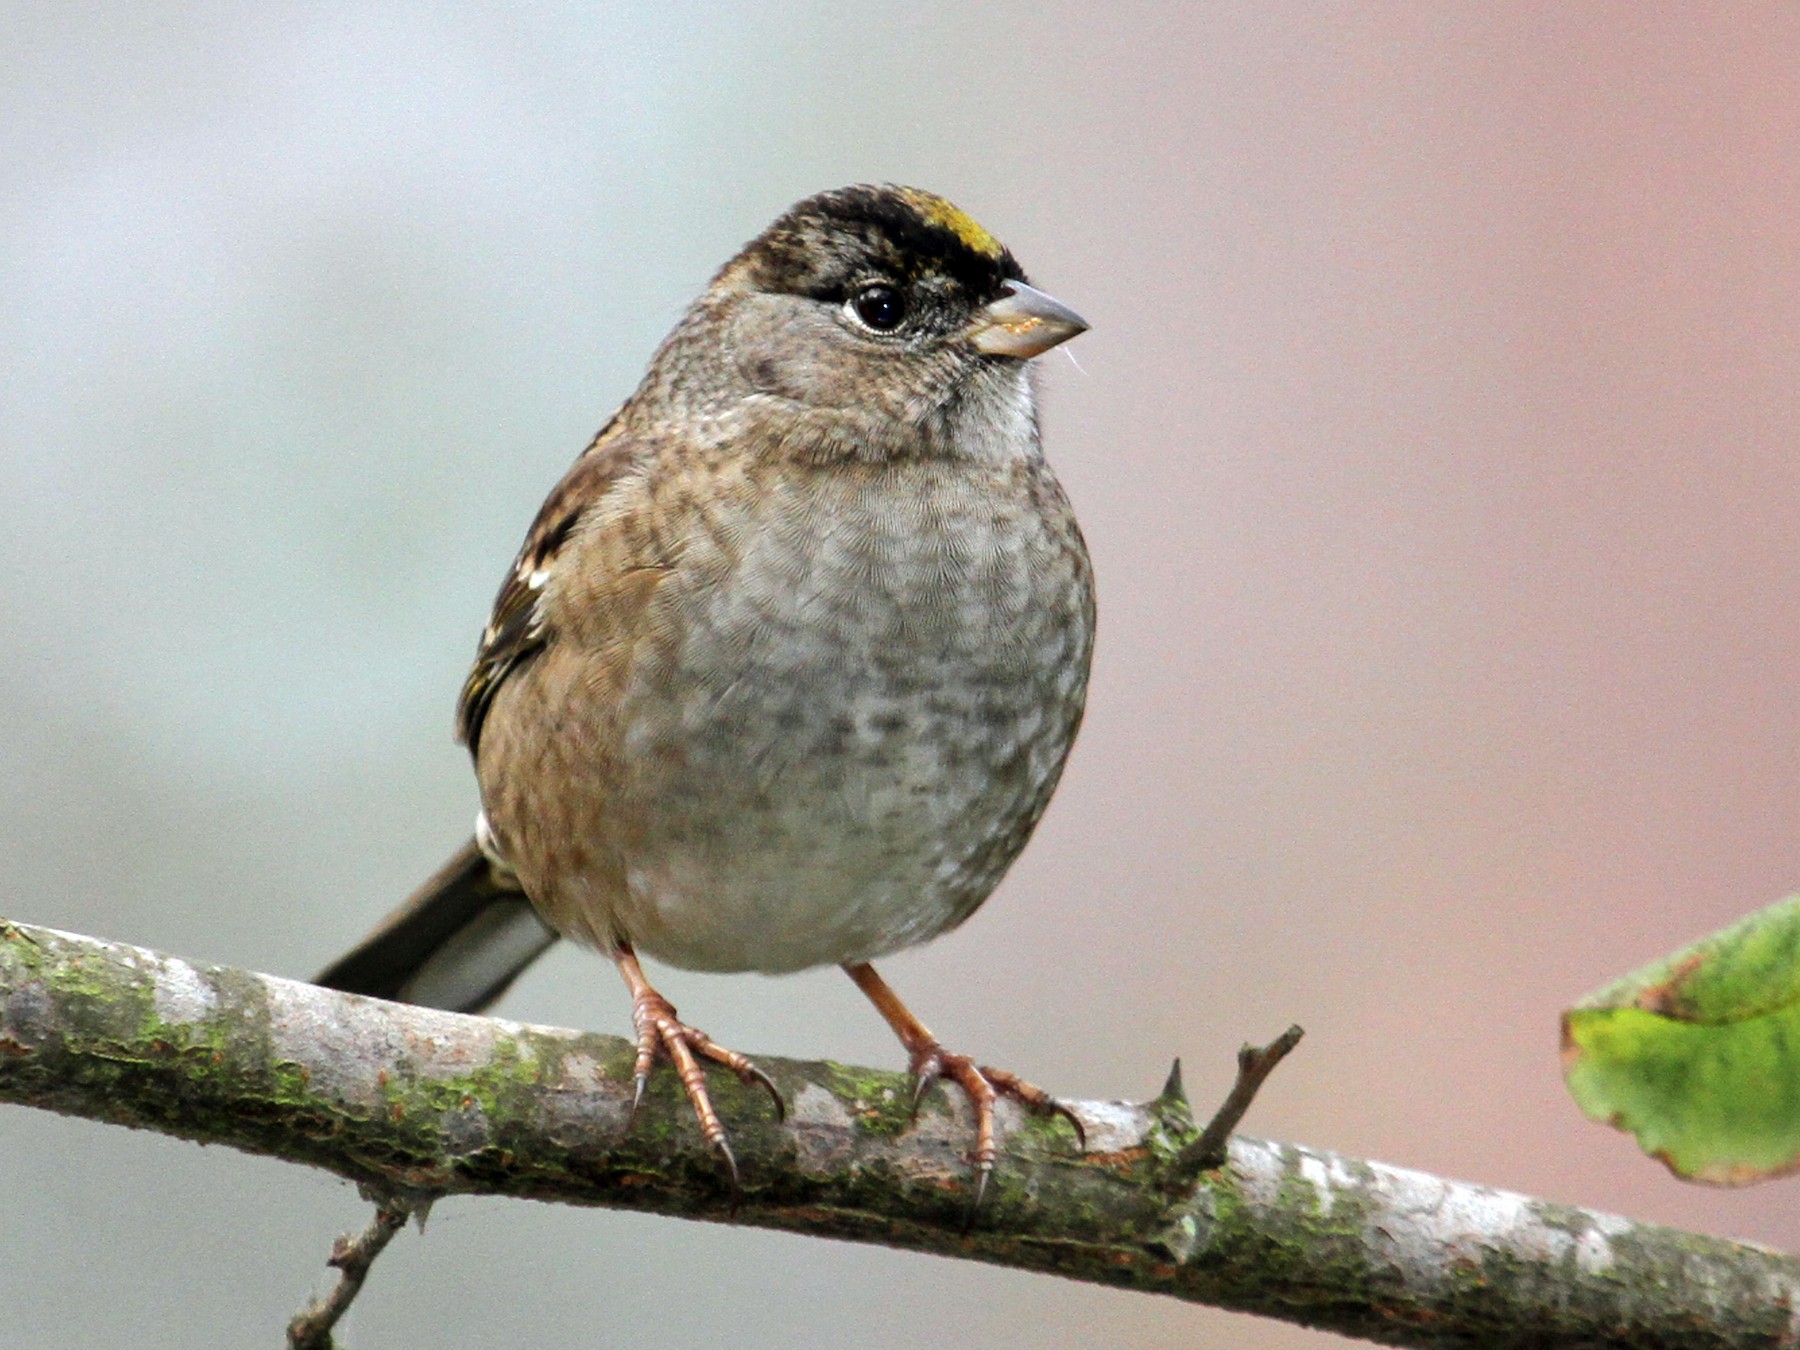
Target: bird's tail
<point x="463" y="937"/>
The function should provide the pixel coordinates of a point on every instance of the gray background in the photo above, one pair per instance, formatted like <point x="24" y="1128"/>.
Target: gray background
<point x="1434" y="441"/>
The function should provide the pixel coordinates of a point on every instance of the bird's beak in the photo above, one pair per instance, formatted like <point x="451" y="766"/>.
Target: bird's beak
<point x="1023" y="322"/>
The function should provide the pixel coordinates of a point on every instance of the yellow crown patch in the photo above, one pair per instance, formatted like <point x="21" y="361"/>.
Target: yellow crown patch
<point x="936" y="211"/>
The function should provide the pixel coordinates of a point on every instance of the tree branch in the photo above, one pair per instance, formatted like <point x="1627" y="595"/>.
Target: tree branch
<point x="415" y="1103"/>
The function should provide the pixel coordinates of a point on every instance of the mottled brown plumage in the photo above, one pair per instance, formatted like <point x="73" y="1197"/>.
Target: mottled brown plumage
<point x="789" y="664"/>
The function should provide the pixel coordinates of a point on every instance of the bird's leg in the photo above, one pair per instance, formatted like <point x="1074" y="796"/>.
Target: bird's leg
<point x="984" y="1085"/>
<point x="661" y="1032"/>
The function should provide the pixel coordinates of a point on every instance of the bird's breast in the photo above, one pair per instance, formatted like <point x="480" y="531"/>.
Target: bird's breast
<point x="857" y="694"/>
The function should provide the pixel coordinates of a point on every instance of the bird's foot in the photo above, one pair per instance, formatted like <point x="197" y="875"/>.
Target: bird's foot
<point x="661" y="1034"/>
<point x="984" y="1086"/>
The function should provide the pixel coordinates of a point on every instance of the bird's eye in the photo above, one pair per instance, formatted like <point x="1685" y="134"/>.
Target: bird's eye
<point x="880" y="307"/>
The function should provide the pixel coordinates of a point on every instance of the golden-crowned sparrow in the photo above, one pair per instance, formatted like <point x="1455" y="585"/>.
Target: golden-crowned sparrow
<point x="789" y="663"/>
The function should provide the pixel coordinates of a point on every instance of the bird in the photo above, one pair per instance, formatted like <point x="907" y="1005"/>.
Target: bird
<point x="791" y="659"/>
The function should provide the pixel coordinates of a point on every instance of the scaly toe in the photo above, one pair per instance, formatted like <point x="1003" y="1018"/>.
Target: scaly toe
<point x="742" y="1065"/>
<point x="1034" y="1100"/>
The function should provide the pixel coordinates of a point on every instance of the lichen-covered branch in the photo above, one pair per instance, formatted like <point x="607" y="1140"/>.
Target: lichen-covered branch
<point x="415" y="1103"/>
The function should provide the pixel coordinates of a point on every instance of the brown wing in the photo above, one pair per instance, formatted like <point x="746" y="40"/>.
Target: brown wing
<point x="517" y="629"/>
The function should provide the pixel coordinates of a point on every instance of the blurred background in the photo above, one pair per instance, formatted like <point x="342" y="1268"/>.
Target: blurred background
<point x="1433" y="440"/>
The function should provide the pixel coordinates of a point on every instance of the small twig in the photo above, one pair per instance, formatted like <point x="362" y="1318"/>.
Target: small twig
<point x="1254" y="1065"/>
<point x="352" y="1256"/>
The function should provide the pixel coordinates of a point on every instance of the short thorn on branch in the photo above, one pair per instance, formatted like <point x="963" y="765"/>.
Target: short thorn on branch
<point x="351" y="1255"/>
<point x="1210" y="1149"/>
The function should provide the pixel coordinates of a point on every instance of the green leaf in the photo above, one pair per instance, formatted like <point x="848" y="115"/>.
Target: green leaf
<point x="1698" y="1055"/>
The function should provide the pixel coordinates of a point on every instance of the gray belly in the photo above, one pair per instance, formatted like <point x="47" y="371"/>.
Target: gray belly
<point x="856" y="732"/>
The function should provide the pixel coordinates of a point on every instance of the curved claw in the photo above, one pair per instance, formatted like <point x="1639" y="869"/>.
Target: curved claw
<point x="1074" y="1123"/>
<point x="722" y="1147"/>
<point x="982" y="1173"/>
<point x="927" y="1074"/>
<point x="767" y="1084"/>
